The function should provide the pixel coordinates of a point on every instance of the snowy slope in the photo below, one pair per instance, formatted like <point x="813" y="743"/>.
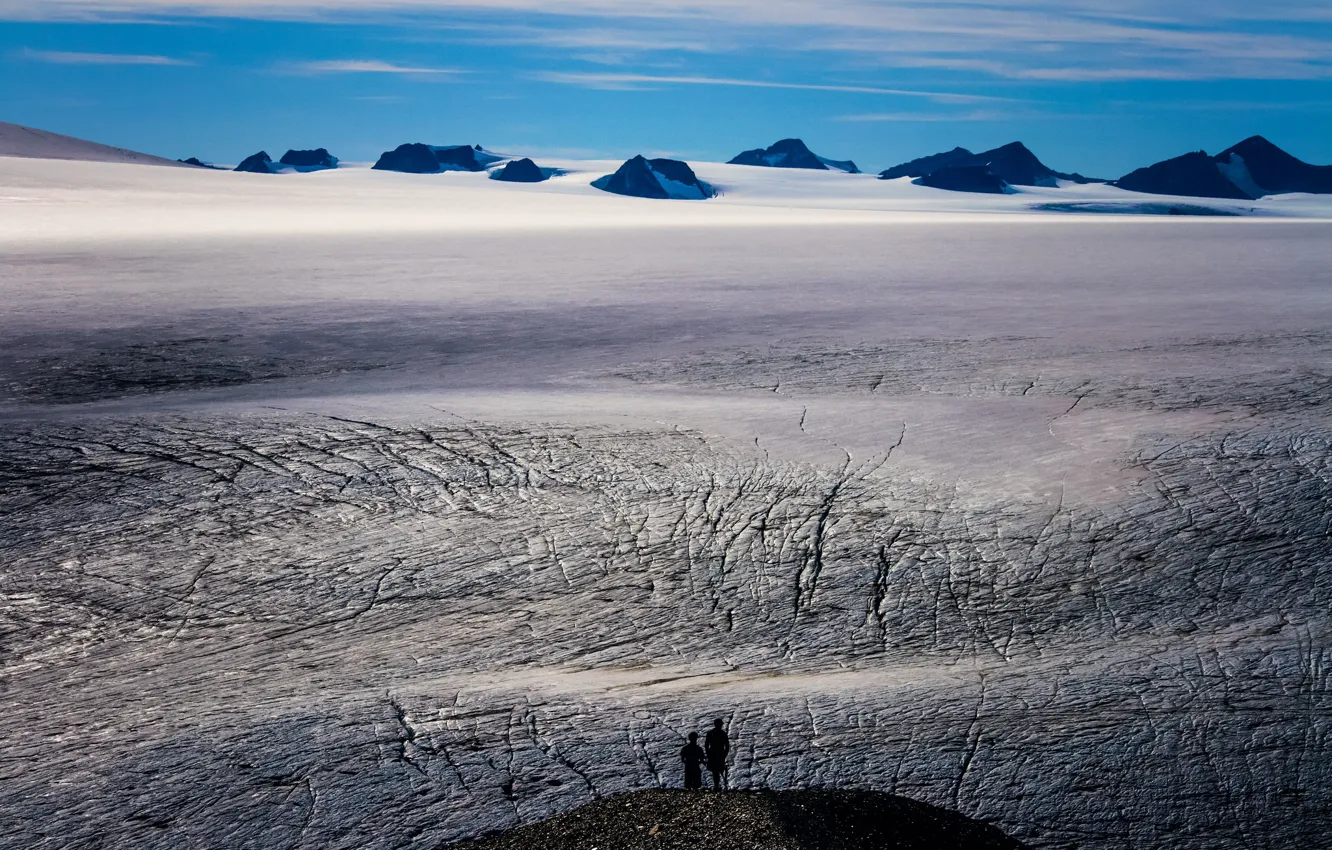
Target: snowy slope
<point x="19" y="141"/>
<point x="49" y="199"/>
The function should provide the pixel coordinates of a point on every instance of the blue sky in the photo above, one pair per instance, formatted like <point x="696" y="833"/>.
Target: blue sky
<point x="1097" y="86"/>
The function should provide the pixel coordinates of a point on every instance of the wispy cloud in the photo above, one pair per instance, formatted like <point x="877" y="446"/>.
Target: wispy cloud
<point x="924" y="117"/>
<point x="62" y="57"/>
<point x="1051" y="40"/>
<point x="623" y="81"/>
<point x="363" y="66"/>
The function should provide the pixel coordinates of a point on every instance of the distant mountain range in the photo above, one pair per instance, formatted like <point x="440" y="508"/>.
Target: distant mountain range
<point x="1252" y="169"/>
<point x="792" y="153"/>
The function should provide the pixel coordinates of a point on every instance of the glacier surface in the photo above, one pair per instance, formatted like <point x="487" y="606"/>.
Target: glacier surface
<point x="378" y="510"/>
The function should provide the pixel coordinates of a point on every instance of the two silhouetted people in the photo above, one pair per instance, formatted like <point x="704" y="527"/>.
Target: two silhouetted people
<point x="718" y="751"/>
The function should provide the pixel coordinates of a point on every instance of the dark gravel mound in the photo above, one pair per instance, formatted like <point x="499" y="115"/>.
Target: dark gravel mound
<point x="763" y="820"/>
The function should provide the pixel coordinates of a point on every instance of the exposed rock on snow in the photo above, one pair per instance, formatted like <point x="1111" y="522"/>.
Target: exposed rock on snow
<point x="1257" y="164"/>
<point x="753" y="820"/>
<point x="258" y="163"/>
<point x="31" y="143"/>
<point x="417" y="158"/>
<point x="519" y="171"/>
<point x="1194" y="175"/>
<point x="412" y="158"/>
<point x="1014" y="163"/>
<point x="792" y="153"/>
<point x="309" y="160"/>
<point x="929" y="164"/>
<point x="655" y="178"/>
<point x="198" y="163"/>
<point x="966" y="178"/>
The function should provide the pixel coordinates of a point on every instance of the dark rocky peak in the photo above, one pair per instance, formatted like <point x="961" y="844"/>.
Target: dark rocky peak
<point x="318" y="158"/>
<point x="792" y="153"/>
<point x="965" y="178"/>
<point x="458" y="158"/>
<point x="655" y="178"/>
<point x="1194" y="175"/>
<point x="411" y="158"/>
<point x="1018" y="166"/>
<point x="198" y="163"/>
<point x="1261" y="168"/>
<point x="259" y="163"/>
<point x="520" y="171"/>
<point x="928" y="164"/>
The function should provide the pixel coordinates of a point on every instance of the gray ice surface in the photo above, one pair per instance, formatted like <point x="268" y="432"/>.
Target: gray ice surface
<point x="383" y="542"/>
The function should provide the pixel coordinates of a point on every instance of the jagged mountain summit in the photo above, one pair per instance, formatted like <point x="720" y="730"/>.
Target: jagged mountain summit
<point x="1261" y="168"/>
<point x="1014" y="163"/>
<point x="656" y="178"/>
<point x="792" y="153"/>
<point x="1194" y="175"/>
<point x="1249" y="170"/>
<point x="309" y="160"/>
<point x="519" y="171"/>
<point x="418" y="158"/>
<point x="257" y="163"/>
<point x="966" y="178"/>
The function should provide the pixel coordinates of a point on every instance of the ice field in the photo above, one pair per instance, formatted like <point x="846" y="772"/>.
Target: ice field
<point x="357" y="509"/>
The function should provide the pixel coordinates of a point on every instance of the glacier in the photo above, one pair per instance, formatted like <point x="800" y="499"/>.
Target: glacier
<point x="362" y="509"/>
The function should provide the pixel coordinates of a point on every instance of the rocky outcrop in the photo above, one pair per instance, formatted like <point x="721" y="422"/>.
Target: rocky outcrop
<point x="197" y="163"/>
<point x="792" y="153"/>
<point x="1193" y="175"/>
<point x="1259" y="168"/>
<point x="458" y="158"/>
<point x="258" y="163"/>
<point x="655" y="178"/>
<point x="929" y="164"/>
<point x="966" y="178"/>
<point x="411" y="158"/>
<point x="418" y="158"/>
<point x="1014" y="163"/>
<point x="310" y="160"/>
<point x="519" y="171"/>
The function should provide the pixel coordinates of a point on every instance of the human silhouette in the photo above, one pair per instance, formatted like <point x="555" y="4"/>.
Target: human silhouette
<point x="692" y="755"/>
<point x="719" y="748"/>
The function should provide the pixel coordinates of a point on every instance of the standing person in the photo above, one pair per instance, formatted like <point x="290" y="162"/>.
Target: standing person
<point x="719" y="748"/>
<point x="692" y="755"/>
